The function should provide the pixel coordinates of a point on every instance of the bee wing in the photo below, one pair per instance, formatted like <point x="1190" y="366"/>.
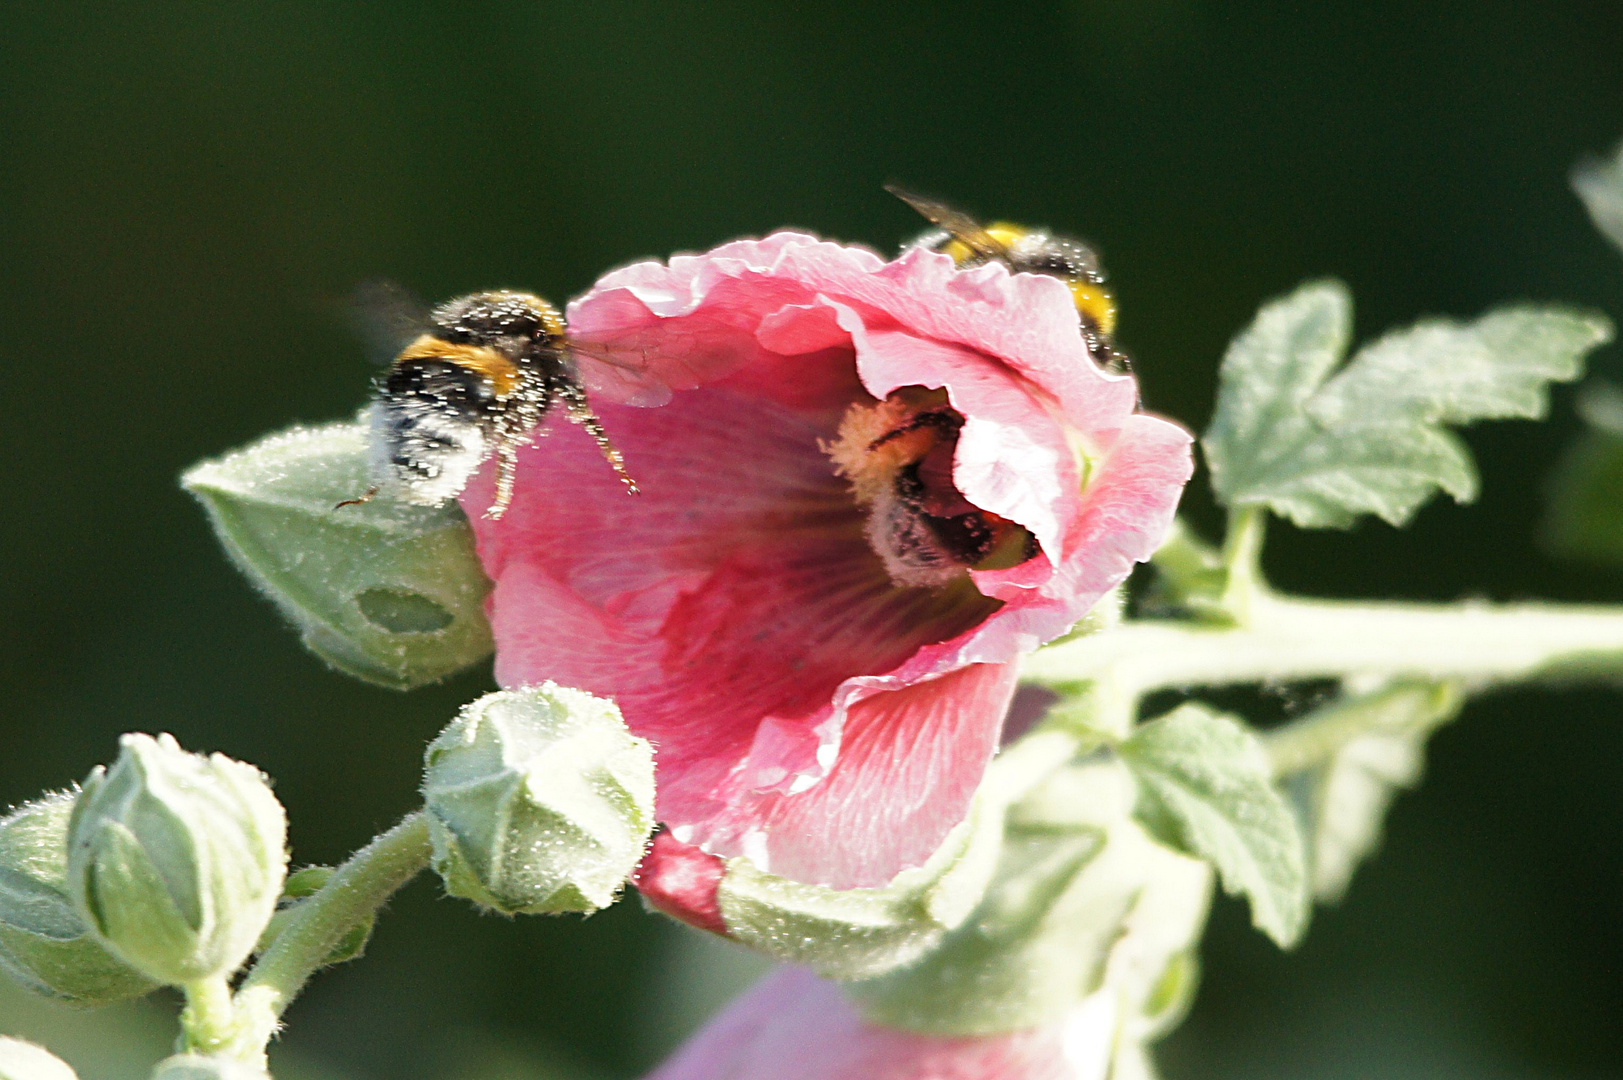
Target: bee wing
<point x="618" y="372"/>
<point x="386" y="317"/>
<point x="645" y="367"/>
<point x="963" y="228"/>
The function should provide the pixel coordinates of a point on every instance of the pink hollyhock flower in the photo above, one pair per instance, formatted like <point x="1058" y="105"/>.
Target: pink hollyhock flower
<point x="871" y="488"/>
<point x="794" y="1026"/>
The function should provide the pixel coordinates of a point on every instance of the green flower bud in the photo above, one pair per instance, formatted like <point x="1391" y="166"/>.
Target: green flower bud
<point x="198" y="1067"/>
<point x="43" y="943"/>
<point x="175" y="859"/>
<point x="539" y="801"/>
<point x="387" y="592"/>
<point x="24" y="1061"/>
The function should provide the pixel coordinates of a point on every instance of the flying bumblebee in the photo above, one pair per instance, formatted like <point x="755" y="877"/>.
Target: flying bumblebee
<point x="470" y="380"/>
<point x="1027" y="250"/>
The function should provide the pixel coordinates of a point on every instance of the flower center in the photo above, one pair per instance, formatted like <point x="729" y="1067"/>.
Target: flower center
<point x="897" y="455"/>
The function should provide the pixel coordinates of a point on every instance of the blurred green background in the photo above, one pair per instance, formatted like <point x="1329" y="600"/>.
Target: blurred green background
<point x="185" y="189"/>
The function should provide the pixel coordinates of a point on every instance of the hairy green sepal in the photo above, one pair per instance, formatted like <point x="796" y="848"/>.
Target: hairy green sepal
<point x="176" y="860"/>
<point x="1321" y="442"/>
<point x="44" y="944"/>
<point x="200" y="1067"/>
<point x="24" y="1061"/>
<point x="385" y="591"/>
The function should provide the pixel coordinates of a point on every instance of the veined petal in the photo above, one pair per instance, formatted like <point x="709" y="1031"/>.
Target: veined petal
<point x="908" y="763"/>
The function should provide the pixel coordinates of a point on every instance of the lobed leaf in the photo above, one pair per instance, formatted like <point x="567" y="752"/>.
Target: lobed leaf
<point x="1343" y="799"/>
<point x="1322" y="444"/>
<point x="1206" y="787"/>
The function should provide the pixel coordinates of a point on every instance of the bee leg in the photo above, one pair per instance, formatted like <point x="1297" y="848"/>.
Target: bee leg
<point x="371" y="492"/>
<point x="581" y="413"/>
<point x="506" y="477"/>
<point x="513" y="430"/>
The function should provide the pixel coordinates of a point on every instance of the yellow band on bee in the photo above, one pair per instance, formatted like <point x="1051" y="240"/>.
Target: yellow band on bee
<point x="1095" y="303"/>
<point x="501" y="372"/>
<point x="1006" y="233"/>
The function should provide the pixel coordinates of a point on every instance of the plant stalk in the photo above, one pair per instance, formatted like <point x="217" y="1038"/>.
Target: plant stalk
<point x="356" y="890"/>
<point x="1286" y="639"/>
<point x="208" y="1023"/>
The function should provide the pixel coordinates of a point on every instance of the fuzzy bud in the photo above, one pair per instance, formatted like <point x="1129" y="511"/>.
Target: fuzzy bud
<point x="176" y="860"/>
<point x="44" y="944"/>
<point x="539" y="801"/>
<point x="382" y="590"/>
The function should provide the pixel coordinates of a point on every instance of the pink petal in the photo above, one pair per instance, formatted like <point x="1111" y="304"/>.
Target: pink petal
<point x="1028" y="320"/>
<point x="682" y="881"/>
<point x="794" y="1026"/>
<point x="909" y="763"/>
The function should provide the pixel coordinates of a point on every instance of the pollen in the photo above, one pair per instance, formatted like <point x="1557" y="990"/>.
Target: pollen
<point x="897" y="455"/>
<point x="876" y="442"/>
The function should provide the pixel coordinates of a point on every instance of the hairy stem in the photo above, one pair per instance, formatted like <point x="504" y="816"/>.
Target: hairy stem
<point x="356" y="890"/>
<point x="1284" y="639"/>
<point x="1242" y="557"/>
<point x="208" y="1023"/>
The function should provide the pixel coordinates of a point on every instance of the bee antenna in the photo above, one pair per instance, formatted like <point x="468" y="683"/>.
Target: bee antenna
<point x="366" y="498"/>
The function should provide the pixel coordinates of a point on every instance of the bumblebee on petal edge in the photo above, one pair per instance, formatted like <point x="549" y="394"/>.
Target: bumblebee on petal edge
<point x="471" y="380"/>
<point x="1026" y="250"/>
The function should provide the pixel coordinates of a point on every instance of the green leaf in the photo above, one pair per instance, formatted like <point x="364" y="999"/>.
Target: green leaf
<point x="1584" y="516"/>
<point x="298" y="888"/>
<point x="1599" y="183"/>
<point x="1206" y="787"/>
<point x="1321" y="443"/>
<point x="1083" y="900"/>
<point x="1378" y="743"/>
<point x="387" y="592"/>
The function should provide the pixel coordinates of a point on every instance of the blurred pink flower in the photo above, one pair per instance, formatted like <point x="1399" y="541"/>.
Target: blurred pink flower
<point x="794" y="1026"/>
<point x="871" y="487"/>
